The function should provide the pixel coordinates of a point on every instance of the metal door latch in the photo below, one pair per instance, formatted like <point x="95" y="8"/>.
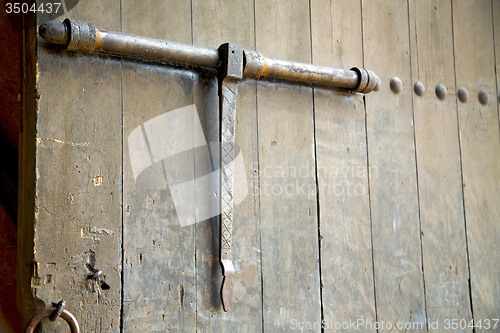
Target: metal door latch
<point x="233" y="64"/>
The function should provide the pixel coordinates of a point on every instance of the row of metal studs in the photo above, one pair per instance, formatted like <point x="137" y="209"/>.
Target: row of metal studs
<point x="441" y="91"/>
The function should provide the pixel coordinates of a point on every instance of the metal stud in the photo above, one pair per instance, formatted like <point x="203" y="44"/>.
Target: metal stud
<point x="483" y="97"/>
<point x="441" y="92"/>
<point x="419" y="88"/>
<point x="463" y="95"/>
<point x="396" y="85"/>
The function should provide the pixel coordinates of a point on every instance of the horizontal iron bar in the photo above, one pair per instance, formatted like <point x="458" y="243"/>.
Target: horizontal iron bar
<point x="85" y="37"/>
<point x="310" y="73"/>
<point x="155" y="49"/>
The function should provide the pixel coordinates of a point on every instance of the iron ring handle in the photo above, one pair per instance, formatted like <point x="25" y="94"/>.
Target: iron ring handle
<point x="46" y="313"/>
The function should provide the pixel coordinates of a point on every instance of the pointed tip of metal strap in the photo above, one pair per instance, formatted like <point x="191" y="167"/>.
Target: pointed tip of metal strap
<point x="226" y="292"/>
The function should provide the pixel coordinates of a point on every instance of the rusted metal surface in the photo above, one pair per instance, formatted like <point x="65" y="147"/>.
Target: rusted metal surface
<point x="49" y="312"/>
<point x="80" y="36"/>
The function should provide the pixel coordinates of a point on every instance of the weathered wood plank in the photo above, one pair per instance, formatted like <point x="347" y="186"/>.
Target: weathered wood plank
<point x="169" y="21"/>
<point x="480" y="147"/>
<point x="159" y="288"/>
<point x="346" y="244"/>
<point x="79" y="176"/>
<point x="215" y="23"/>
<point x="496" y="34"/>
<point x="438" y="161"/>
<point x="27" y="165"/>
<point x="289" y="225"/>
<point x="391" y="152"/>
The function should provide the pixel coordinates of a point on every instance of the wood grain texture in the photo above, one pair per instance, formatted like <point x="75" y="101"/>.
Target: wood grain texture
<point x="496" y="34"/>
<point x="159" y="268"/>
<point x="167" y="20"/>
<point x="480" y="146"/>
<point x="438" y="161"/>
<point x="159" y="285"/>
<point x="346" y="244"/>
<point x="79" y="175"/>
<point x="215" y="23"/>
<point x="289" y="225"/>
<point x="391" y="151"/>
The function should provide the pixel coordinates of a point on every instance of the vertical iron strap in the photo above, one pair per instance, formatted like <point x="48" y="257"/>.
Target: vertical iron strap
<point x="231" y="72"/>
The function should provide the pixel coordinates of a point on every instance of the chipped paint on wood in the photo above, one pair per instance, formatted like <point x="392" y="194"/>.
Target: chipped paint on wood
<point x="97" y="180"/>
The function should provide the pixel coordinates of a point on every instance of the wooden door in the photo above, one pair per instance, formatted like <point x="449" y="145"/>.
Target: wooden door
<point x="364" y="213"/>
